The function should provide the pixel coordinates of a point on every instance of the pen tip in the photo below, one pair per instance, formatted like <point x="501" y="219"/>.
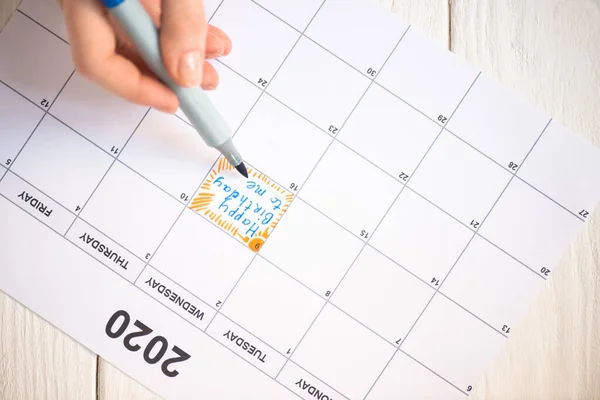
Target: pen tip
<point x="242" y="169"/>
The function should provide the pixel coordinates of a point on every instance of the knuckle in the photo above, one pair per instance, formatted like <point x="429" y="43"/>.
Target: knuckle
<point x="86" y="66"/>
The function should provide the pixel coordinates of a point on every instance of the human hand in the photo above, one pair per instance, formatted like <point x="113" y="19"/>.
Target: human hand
<point x="102" y="52"/>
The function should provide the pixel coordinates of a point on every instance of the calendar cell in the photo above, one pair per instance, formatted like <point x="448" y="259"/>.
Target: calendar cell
<point x="334" y="188"/>
<point x="427" y="76"/>
<point x="343" y="353"/>
<point x="370" y="28"/>
<point x="36" y="203"/>
<point x="105" y="250"/>
<point x="131" y="211"/>
<point x="48" y="14"/>
<point x="19" y="118"/>
<point x="421" y="238"/>
<point x="246" y="345"/>
<point x="311" y="248"/>
<point x="297" y="13"/>
<point x="498" y="123"/>
<point x="39" y="64"/>
<point x="318" y="86"/>
<point x="382" y="295"/>
<point x="306" y="385"/>
<point x="446" y="336"/>
<point x="62" y="164"/>
<point x="565" y="167"/>
<point x="460" y="180"/>
<point x="233" y="98"/>
<point x="272" y="306"/>
<point x="530" y="227"/>
<point x="187" y="257"/>
<point x="389" y="133"/>
<point x="407" y="379"/>
<point x="170" y="153"/>
<point x="174" y="297"/>
<point x="102" y="117"/>
<point x="249" y="25"/>
<point x="281" y="143"/>
<point x="492" y="285"/>
<point x="249" y="209"/>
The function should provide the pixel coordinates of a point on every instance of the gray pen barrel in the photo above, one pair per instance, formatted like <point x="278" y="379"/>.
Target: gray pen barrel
<point x="194" y="102"/>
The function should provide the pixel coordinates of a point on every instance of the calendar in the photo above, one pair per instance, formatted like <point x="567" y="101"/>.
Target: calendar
<point x="401" y="213"/>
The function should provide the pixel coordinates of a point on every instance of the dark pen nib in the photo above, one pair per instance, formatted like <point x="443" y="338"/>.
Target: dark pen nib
<point x="242" y="170"/>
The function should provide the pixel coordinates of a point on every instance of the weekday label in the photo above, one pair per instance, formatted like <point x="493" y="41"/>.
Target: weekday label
<point x="36" y="203"/>
<point x="105" y="250"/>
<point x="175" y="297"/>
<point x="246" y="345"/>
<point x="306" y="385"/>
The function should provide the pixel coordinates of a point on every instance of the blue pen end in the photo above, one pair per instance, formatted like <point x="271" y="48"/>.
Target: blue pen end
<point x="112" y="3"/>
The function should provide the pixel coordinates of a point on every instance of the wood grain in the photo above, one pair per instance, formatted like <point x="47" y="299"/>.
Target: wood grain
<point x="38" y="361"/>
<point x="548" y="52"/>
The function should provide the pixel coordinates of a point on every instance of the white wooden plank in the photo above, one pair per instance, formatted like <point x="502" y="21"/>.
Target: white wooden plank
<point x="431" y="17"/>
<point x="547" y="51"/>
<point x="37" y="361"/>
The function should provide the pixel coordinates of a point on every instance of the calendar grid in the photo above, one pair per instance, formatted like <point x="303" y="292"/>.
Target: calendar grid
<point x="41" y="119"/>
<point x="191" y="197"/>
<point x="264" y="90"/>
<point x="302" y="33"/>
<point x="469" y="242"/>
<point x="308" y="177"/>
<point x="186" y="205"/>
<point x="393" y="176"/>
<point x="242" y="276"/>
<point x="242" y="123"/>
<point x="408" y="181"/>
<point x="107" y="170"/>
<point x="334" y="139"/>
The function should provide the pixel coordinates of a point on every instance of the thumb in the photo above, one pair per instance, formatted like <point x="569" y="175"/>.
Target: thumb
<point x="183" y="40"/>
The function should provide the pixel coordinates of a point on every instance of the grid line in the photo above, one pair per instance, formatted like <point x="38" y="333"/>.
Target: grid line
<point x="108" y="169"/>
<point x="41" y="119"/>
<point x="407" y="182"/>
<point x="308" y="177"/>
<point x="470" y="240"/>
<point x="239" y="127"/>
<point x="42" y="26"/>
<point x="377" y="166"/>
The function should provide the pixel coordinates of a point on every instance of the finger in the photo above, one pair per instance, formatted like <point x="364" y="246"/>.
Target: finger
<point x="183" y="40"/>
<point x="125" y="79"/>
<point x="218" y="44"/>
<point x="93" y="45"/>
<point x="210" y="80"/>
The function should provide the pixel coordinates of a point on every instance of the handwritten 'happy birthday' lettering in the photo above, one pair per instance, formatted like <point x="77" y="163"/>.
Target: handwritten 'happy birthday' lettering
<point x="248" y="209"/>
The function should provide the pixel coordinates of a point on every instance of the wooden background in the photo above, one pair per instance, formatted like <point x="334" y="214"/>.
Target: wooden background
<point x="548" y="51"/>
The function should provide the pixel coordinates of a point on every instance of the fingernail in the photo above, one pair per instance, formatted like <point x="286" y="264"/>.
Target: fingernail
<point x="189" y="69"/>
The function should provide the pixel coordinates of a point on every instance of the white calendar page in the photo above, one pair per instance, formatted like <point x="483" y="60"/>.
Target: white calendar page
<point x="402" y="209"/>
